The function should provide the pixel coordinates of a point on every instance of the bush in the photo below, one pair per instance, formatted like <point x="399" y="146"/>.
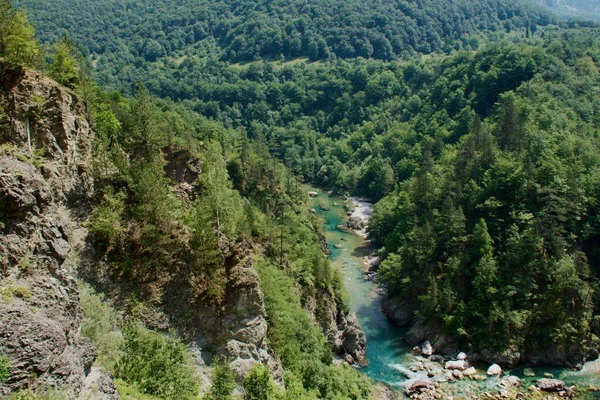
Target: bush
<point x="223" y="382"/>
<point x="4" y="368"/>
<point x="159" y="365"/>
<point x="258" y="384"/>
<point x="100" y="326"/>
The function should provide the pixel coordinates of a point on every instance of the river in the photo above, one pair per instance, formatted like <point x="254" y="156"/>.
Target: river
<point x="389" y="356"/>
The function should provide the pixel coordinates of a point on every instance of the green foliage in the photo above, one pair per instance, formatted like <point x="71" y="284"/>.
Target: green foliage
<point x="64" y="67"/>
<point x="106" y="224"/>
<point x="157" y="364"/>
<point x="20" y="45"/>
<point x="100" y="326"/>
<point x="255" y="29"/>
<point x="41" y="394"/>
<point x="258" y="384"/>
<point x="223" y="382"/>
<point x="4" y="368"/>
<point x="301" y="345"/>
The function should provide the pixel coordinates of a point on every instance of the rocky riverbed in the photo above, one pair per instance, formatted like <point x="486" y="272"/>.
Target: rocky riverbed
<point x="420" y="372"/>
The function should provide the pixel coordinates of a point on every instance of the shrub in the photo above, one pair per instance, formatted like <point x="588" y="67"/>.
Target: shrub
<point x="100" y="326"/>
<point x="4" y="368"/>
<point x="157" y="364"/>
<point x="223" y="382"/>
<point x="258" y="384"/>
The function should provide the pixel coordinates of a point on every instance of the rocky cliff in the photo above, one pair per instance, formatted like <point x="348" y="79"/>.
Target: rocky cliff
<point x="45" y="151"/>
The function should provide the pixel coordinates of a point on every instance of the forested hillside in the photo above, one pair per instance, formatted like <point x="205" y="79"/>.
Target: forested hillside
<point x="125" y="37"/>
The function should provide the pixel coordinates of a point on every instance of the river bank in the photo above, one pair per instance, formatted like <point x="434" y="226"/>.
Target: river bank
<point x="390" y="358"/>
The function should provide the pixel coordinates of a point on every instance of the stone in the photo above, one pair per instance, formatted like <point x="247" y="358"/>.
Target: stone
<point x="430" y="374"/>
<point x="459" y="364"/>
<point x="494" y="370"/>
<point x="461" y="356"/>
<point x="349" y="359"/>
<point x="511" y="381"/>
<point x="456" y="374"/>
<point x="471" y="371"/>
<point x="550" y="385"/>
<point x="548" y="375"/>
<point x="418" y="386"/>
<point x="436" y="358"/>
<point x="400" y="312"/>
<point x="528" y="372"/>
<point x="427" y="349"/>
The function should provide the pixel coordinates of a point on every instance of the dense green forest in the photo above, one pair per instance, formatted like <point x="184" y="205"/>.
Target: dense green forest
<point x="129" y="39"/>
<point x="483" y="156"/>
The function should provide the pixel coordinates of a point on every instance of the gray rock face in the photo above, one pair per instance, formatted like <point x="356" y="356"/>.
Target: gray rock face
<point x="47" y="143"/>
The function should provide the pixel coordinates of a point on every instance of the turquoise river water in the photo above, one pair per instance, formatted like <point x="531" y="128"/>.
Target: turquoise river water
<point x="387" y="352"/>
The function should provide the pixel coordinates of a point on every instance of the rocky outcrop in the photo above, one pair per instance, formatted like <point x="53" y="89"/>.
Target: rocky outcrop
<point x="343" y="330"/>
<point x="354" y="340"/>
<point x="45" y="152"/>
<point x="398" y="311"/>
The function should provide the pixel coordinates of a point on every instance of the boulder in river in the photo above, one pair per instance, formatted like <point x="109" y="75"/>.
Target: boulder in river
<point x="436" y="358"/>
<point x="471" y="371"/>
<point x="356" y="223"/>
<point x="511" y="381"/>
<point x="427" y="349"/>
<point x="494" y="370"/>
<point x="458" y="375"/>
<point x="461" y="356"/>
<point x="459" y="364"/>
<point x="419" y="386"/>
<point x="550" y="385"/>
<point x="354" y="340"/>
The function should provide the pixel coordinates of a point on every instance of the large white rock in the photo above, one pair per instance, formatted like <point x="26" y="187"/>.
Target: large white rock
<point x="427" y="349"/>
<point x="461" y="356"/>
<point x="470" y="371"/>
<point x="494" y="370"/>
